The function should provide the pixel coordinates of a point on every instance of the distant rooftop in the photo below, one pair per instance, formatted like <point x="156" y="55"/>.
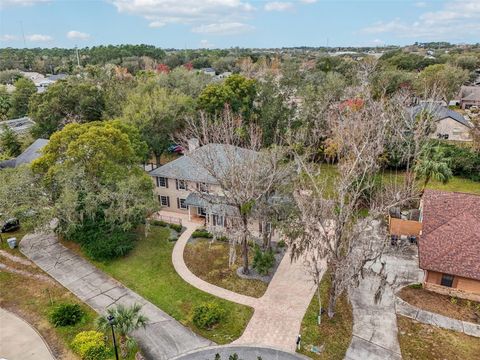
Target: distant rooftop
<point x="31" y="153"/>
<point x="441" y="112"/>
<point x="19" y="125"/>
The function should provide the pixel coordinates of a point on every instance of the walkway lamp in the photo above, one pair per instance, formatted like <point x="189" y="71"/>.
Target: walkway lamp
<point x="111" y="321"/>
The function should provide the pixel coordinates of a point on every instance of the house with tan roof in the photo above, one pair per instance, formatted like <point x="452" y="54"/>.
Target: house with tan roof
<point x="449" y="245"/>
<point x="469" y="96"/>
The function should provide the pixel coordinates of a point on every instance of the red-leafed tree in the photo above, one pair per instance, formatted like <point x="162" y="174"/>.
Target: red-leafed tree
<point x="188" y="66"/>
<point x="163" y="69"/>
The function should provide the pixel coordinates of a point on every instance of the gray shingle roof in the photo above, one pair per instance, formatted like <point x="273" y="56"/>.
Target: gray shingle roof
<point x="441" y="112"/>
<point x="189" y="167"/>
<point x="31" y="153"/>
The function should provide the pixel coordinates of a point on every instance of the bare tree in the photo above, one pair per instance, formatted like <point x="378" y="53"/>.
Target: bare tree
<point x="343" y="223"/>
<point x="247" y="175"/>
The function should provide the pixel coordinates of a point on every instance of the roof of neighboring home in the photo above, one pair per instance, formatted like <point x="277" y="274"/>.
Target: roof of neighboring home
<point x="18" y="125"/>
<point x="31" y="153"/>
<point x="450" y="240"/>
<point x="191" y="166"/>
<point x="441" y="112"/>
<point x="470" y="93"/>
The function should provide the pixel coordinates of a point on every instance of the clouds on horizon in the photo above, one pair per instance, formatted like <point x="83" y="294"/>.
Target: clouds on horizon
<point x="456" y="19"/>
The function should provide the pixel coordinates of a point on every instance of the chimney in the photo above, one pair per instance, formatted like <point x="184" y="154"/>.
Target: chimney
<point x="193" y="144"/>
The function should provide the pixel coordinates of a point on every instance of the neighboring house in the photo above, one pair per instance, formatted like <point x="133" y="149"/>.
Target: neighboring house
<point x="450" y="125"/>
<point x="449" y="245"/>
<point x="31" y="153"/>
<point x="19" y="126"/>
<point x="209" y="71"/>
<point x="184" y="186"/>
<point x="469" y="96"/>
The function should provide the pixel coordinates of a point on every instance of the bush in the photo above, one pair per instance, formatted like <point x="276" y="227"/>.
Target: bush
<point x="222" y="239"/>
<point x="158" y="223"/>
<point x="201" y="234"/>
<point x="110" y="246"/>
<point x="101" y="241"/>
<point x="90" y="345"/>
<point x="66" y="314"/>
<point x="415" y="286"/>
<point x="207" y="315"/>
<point x="281" y="244"/>
<point x="176" y="227"/>
<point x="263" y="261"/>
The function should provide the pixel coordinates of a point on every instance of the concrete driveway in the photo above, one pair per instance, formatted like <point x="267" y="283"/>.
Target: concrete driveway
<point x="19" y="340"/>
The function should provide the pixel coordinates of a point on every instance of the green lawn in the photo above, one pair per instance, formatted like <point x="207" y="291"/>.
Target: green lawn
<point x="33" y="300"/>
<point x="334" y="334"/>
<point x="455" y="184"/>
<point x="148" y="270"/>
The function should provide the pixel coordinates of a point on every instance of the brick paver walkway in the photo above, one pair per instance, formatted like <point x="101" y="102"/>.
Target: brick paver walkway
<point x="278" y="313"/>
<point x="163" y="338"/>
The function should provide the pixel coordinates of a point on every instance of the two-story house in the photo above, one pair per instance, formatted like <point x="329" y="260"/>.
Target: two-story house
<point x="185" y="186"/>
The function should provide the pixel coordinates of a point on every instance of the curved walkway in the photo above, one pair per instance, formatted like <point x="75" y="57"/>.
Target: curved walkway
<point x="426" y="317"/>
<point x="163" y="338"/>
<point x="19" y="340"/>
<point x="278" y="313"/>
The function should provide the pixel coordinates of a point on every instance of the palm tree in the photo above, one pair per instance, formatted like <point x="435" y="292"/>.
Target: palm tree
<point x="127" y="320"/>
<point x="433" y="164"/>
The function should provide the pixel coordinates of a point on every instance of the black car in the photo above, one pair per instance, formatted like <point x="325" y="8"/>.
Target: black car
<point x="10" y="225"/>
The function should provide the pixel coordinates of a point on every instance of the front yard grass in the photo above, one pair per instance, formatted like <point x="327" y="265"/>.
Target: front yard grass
<point x="209" y="261"/>
<point x="425" y="342"/>
<point x="460" y="309"/>
<point x="457" y="184"/>
<point x="334" y="334"/>
<point x="149" y="271"/>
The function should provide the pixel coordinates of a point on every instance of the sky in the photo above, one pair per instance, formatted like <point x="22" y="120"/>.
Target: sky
<point x="229" y="23"/>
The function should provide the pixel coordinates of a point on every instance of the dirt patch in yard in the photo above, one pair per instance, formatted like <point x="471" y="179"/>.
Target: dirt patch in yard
<point x="425" y="342"/>
<point x="452" y="307"/>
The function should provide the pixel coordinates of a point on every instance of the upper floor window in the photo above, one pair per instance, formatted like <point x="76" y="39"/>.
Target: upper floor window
<point x="162" y="181"/>
<point x="202" y="187"/>
<point x="181" y="185"/>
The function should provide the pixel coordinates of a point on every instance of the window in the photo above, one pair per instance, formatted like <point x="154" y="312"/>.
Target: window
<point x="164" y="200"/>
<point x="202" y="187"/>
<point x="181" y="204"/>
<point x="447" y="280"/>
<point x="264" y="227"/>
<point x="181" y="185"/>
<point x="217" y="220"/>
<point x="162" y="182"/>
<point x="201" y="211"/>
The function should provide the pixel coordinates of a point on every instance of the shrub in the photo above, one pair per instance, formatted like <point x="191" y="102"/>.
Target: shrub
<point x="66" y="314"/>
<point x="281" y="244"/>
<point x="207" y="315"/>
<point x="158" y="223"/>
<point x="176" y="227"/>
<point x="101" y="241"/>
<point x="263" y="261"/>
<point x="222" y="239"/>
<point x="90" y="345"/>
<point x="415" y="286"/>
<point x="201" y="234"/>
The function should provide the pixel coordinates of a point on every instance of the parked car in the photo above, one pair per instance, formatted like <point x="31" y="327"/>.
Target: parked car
<point x="10" y="225"/>
<point x="175" y="149"/>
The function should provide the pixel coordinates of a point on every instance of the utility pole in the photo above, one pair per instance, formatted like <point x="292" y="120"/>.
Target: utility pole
<point x="78" y="58"/>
